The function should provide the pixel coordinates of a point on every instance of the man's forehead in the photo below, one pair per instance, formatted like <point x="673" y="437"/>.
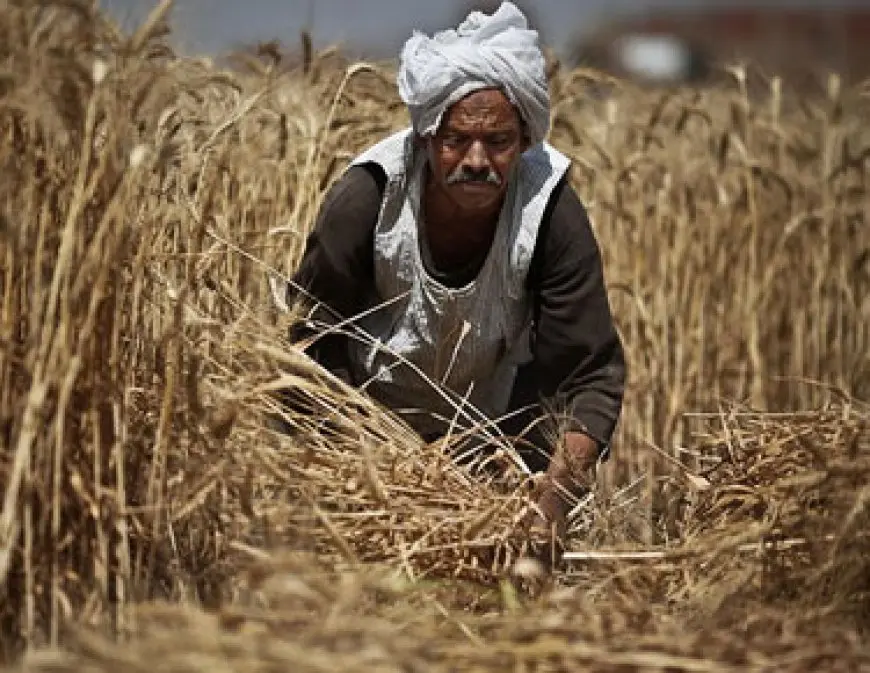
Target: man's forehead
<point x="486" y="106"/>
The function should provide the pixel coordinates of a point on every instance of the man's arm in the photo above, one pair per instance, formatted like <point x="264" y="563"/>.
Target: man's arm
<point x="578" y="357"/>
<point x="336" y="273"/>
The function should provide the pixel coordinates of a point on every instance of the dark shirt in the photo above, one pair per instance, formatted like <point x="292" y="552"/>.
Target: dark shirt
<point x="578" y="359"/>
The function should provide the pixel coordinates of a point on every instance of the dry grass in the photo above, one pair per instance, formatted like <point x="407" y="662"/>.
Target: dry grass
<point x="146" y="506"/>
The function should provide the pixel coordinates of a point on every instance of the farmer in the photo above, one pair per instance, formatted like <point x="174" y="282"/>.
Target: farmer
<point x="470" y="265"/>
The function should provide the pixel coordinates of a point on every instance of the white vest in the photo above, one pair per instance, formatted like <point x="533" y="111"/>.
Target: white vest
<point x="468" y="340"/>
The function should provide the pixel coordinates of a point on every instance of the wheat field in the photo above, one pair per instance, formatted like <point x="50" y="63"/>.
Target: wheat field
<point x="151" y="516"/>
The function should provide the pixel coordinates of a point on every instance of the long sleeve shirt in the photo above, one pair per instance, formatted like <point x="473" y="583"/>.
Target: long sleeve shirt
<point x="577" y="356"/>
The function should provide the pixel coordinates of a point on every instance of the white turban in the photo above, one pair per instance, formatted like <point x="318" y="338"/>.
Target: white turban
<point x="483" y="52"/>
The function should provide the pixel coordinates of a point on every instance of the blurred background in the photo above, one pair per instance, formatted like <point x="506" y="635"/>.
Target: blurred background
<point x="666" y="41"/>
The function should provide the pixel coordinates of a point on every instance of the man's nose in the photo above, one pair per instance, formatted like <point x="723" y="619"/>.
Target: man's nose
<point x="477" y="158"/>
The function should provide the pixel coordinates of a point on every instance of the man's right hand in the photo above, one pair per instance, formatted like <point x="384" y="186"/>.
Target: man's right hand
<point x="568" y="476"/>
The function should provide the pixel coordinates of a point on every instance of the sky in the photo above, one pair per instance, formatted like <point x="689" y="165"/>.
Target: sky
<point x="212" y="25"/>
<point x="379" y="26"/>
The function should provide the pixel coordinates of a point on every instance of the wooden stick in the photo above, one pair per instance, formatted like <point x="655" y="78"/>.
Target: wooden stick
<point x="662" y="554"/>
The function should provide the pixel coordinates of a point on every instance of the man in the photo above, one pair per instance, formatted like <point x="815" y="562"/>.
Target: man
<point x="463" y="268"/>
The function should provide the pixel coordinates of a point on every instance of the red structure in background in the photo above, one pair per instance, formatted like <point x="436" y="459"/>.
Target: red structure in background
<point x="794" y="43"/>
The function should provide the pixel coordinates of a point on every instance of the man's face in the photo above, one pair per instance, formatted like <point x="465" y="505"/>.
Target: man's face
<point x="472" y="154"/>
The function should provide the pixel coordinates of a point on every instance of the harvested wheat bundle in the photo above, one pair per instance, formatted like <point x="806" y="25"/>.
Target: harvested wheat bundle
<point x="777" y="541"/>
<point x="354" y="481"/>
<point x="789" y="514"/>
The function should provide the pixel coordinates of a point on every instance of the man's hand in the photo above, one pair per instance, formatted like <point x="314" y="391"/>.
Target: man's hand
<point x="573" y="460"/>
<point x="566" y="479"/>
<point x="546" y="525"/>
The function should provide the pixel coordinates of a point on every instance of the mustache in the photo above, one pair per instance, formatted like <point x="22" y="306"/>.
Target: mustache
<point x="463" y="174"/>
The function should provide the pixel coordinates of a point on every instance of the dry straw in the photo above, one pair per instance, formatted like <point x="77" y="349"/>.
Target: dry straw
<point x="147" y="505"/>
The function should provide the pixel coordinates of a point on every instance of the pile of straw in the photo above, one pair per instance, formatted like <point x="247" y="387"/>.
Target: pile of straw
<point x="772" y="577"/>
<point x="349" y="479"/>
<point x="149" y="508"/>
<point x="786" y="523"/>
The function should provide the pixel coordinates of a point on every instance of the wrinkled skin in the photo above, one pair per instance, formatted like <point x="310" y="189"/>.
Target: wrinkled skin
<point x="478" y="143"/>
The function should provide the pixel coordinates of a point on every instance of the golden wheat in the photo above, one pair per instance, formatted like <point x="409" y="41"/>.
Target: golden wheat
<point x="147" y="202"/>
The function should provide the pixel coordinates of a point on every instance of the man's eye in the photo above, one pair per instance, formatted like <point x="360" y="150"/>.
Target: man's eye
<point x="454" y="139"/>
